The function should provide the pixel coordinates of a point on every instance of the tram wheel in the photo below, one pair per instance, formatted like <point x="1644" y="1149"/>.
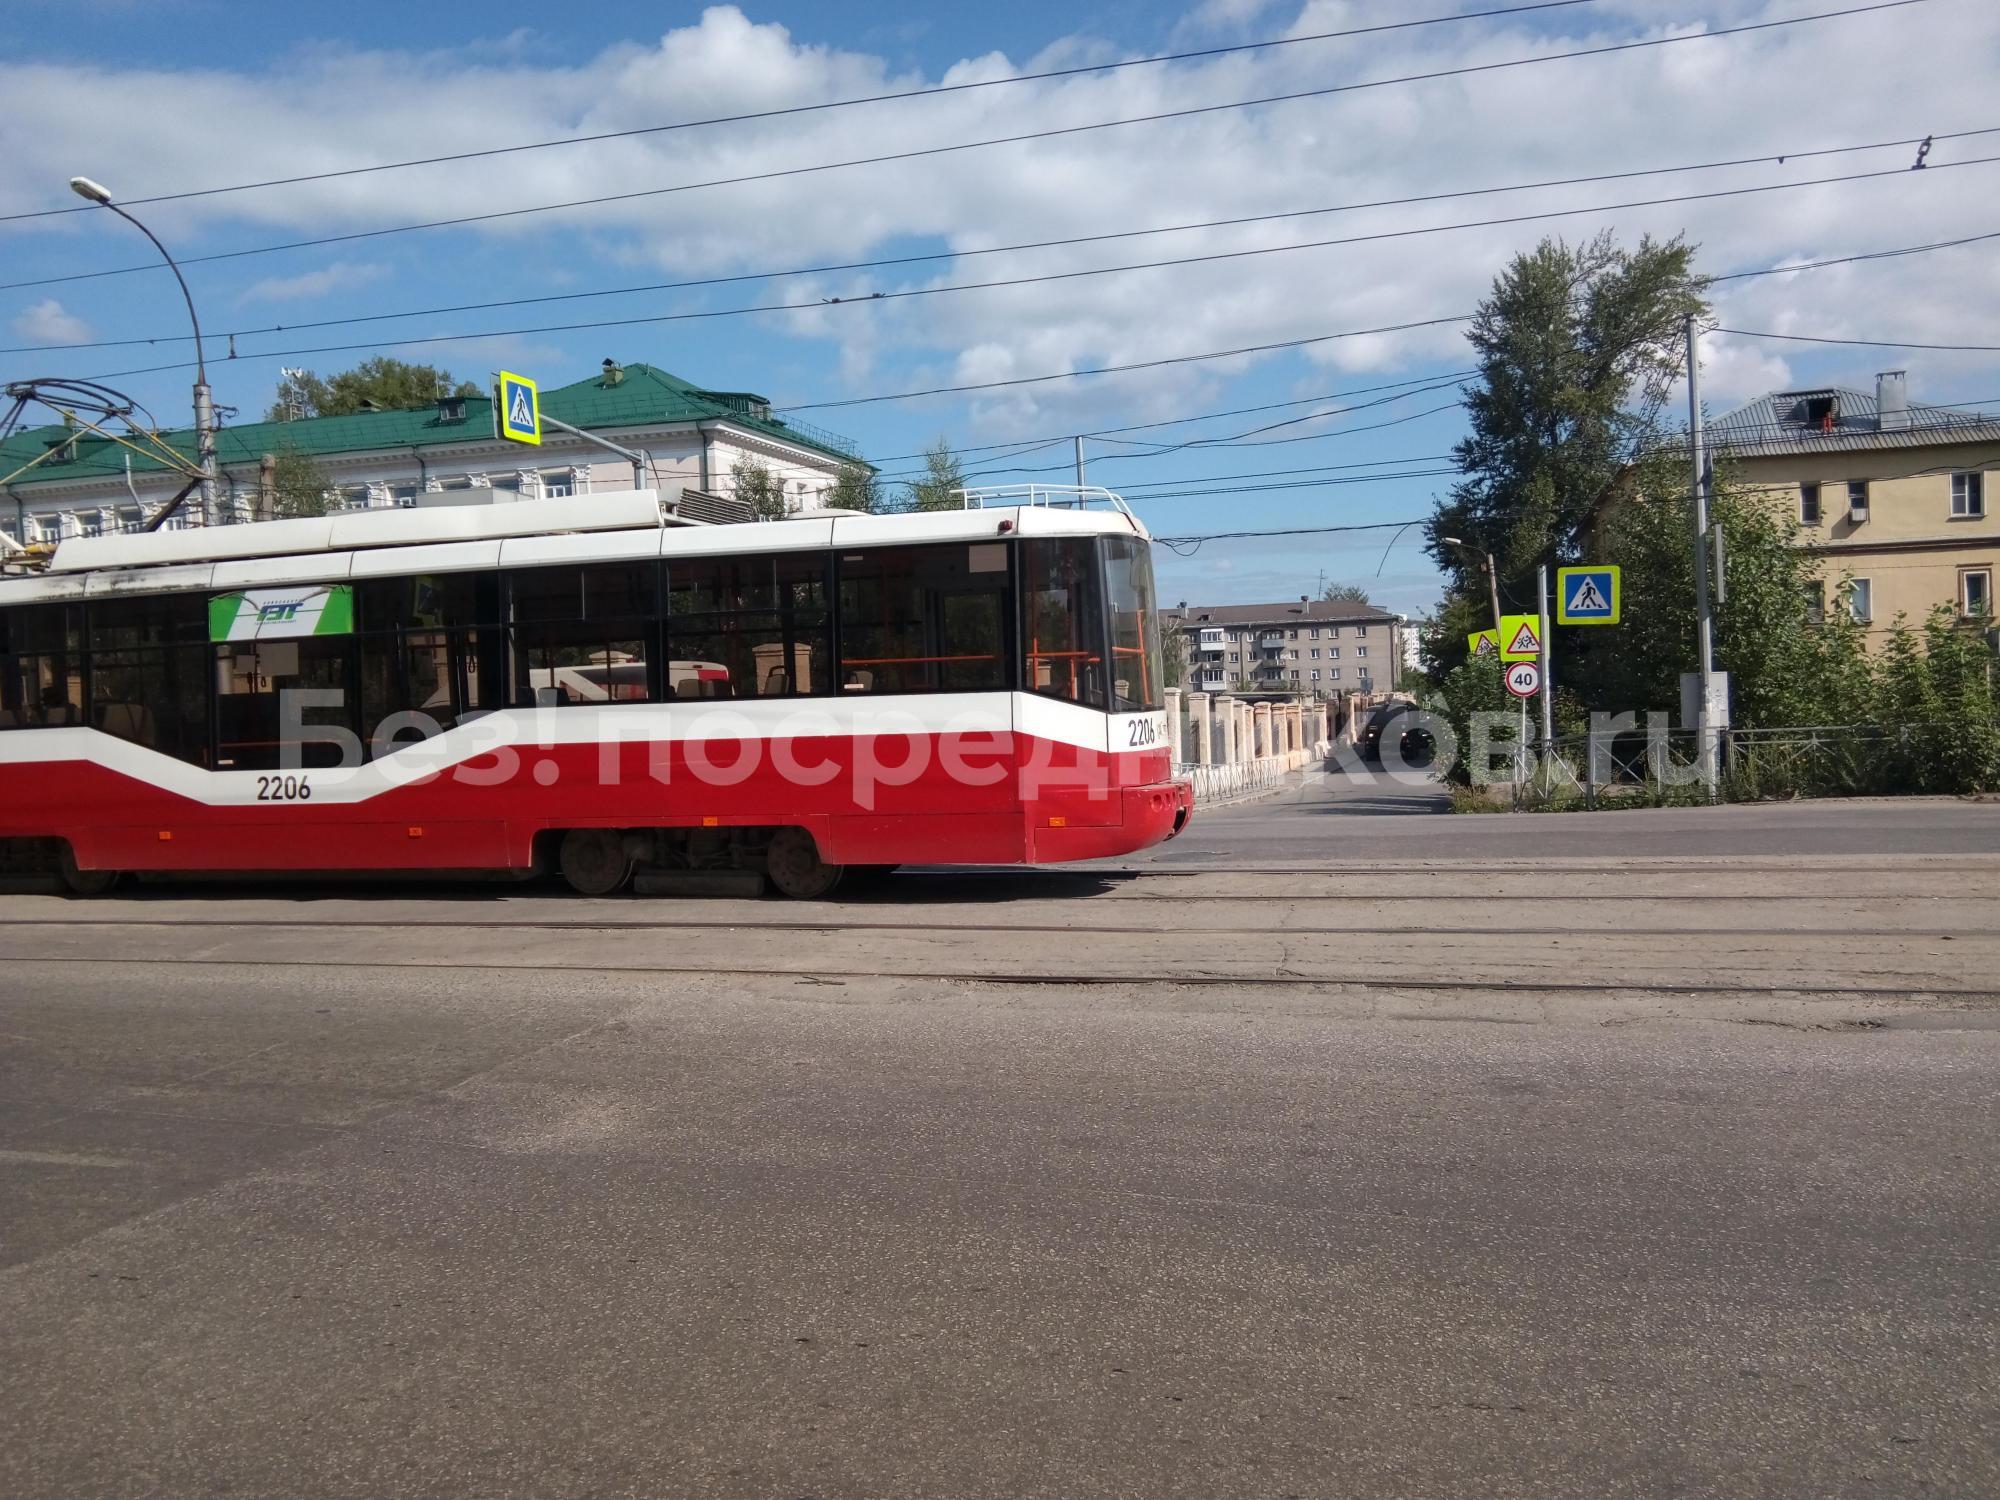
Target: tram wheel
<point x="594" y="861"/>
<point x="795" y="868"/>
<point x="79" y="882"/>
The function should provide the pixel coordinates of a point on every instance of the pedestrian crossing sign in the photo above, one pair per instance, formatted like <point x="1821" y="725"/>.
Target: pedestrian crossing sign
<point x="1588" y="596"/>
<point x="1520" y="638"/>
<point x="1483" y="643"/>
<point x="517" y="409"/>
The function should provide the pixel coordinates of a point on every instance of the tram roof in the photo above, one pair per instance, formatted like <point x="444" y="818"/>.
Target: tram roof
<point x="621" y="526"/>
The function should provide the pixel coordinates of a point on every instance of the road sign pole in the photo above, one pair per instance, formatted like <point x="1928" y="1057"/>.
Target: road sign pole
<point x="1548" y="674"/>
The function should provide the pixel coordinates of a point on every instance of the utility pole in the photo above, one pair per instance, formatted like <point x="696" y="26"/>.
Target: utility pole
<point x="204" y="402"/>
<point x="1706" y="728"/>
<point x="1079" y="462"/>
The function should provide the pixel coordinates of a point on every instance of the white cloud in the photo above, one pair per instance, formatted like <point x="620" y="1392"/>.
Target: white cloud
<point x="46" y="322"/>
<point x="339" y="277"/>
<point x="1705" y="100"/>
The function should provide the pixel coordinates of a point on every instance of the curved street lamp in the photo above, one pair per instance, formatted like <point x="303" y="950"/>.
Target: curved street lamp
<point x="204" y="405"/>
<point x="1492" y="583"/>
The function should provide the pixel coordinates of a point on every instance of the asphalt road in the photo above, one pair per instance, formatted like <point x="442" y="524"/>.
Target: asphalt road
<point x="1370" y="816"/>
<point x="1424" y="1174"/>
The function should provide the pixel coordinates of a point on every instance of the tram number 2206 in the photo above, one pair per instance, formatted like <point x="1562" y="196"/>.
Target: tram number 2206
<point x="284" y="789"/>
<point x="1142" y="732"/>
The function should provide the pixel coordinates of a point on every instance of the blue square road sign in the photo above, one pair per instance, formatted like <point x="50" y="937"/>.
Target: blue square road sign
<point x="1588" y="596"/>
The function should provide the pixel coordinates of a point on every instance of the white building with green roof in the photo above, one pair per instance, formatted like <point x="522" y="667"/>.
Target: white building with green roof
<point x="445" y="453"/>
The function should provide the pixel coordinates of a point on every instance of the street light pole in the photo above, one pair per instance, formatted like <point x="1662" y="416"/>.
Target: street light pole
<point x="1707" y="726"/>
<point x="204" y="403"/>
<point x="1492" y="583"/>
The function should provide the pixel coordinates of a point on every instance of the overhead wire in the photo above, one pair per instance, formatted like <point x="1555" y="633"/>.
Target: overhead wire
<point x="693" y="283"/>
<point x="1532" y="60"/>
<point x="932" y="91"/>
<point x="705" y="314"/>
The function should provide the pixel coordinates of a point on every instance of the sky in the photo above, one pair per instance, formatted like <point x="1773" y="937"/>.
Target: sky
<point x="160" y="97"/>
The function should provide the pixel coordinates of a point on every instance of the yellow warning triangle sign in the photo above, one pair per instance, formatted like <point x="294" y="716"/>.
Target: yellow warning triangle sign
<point x="1519" y="640"/>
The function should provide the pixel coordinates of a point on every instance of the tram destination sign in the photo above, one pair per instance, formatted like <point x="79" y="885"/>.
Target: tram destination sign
<point x="282" y="614"/>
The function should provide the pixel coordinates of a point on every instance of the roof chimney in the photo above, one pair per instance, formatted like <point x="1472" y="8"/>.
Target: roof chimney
<point x="614" y="373"/>
<point x="1892" y="400"/>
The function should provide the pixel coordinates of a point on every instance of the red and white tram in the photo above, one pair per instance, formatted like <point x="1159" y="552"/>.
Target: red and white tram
<point x="576" y="683"/>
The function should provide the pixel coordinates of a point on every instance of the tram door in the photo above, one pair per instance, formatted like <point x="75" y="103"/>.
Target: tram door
<point x="283" y="670"/>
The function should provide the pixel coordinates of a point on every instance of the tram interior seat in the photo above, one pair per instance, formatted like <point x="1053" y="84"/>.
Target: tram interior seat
<point x="777" y="683"/>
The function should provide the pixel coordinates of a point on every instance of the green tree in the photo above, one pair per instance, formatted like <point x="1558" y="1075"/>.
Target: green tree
<point x="1787" y="665"/>
<point x="1173" y="652"/>
<point x="1344" y="593"/>
<point x="856" y="488"/>
<point x="1936" y="694"/>
<point x="759" y="489"/>
<point x="381" y="383"/>
<point x="300" y="485"/>
<point x="1577" y="346"/>
<point x="943" y="477"/>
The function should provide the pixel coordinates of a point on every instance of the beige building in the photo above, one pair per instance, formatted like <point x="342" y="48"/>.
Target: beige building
<point x="1893" y="495"/>
<point x="1327" y="649"/>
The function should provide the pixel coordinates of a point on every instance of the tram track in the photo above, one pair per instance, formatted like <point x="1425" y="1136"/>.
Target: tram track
<point x="727" y="924"/>
<point x="1928" y="994"/>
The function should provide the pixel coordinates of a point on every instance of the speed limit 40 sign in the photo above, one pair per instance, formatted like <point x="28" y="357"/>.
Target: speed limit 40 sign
<point x="1524" y="679"/>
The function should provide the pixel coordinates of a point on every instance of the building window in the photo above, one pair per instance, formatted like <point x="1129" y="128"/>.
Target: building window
<point x="1333" y="653"/>
<point x="1975" y="593"/>
<point x="1314" y="632"/>
<point x="1315" y="653"/>
<point x="558" y="485"/>
<point x="1968" y="496"/>
<point x="1809" y="505"/>
<point x="1334" y="675"/>
<point x="1861" y="599"/>
<point x="1315" y="674"/>
<point x="1333" y="632"/>
<point x="1295" y="634"/>
<point x="1857" y="499"/>
<point x="1360" y="650"/>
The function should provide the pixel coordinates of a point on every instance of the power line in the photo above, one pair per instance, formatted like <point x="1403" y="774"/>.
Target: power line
<point x="1845" y="260"/>
<point x="1804" y="338"/>
<point x="966" y="254"/>
<point x="1142" y="364"/>
<point x="831" y="104"/>
<point x="1234" y="440"/>
<point x="1177" y="542"/>
<point x="1055" y="132"/>
<point x="954" y="288"/>
<point x="1104" y="434"/>
<point x="1316" y="437"/>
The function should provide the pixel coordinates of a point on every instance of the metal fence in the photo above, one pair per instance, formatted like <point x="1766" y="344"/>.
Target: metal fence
<point x="1661" y="764"/>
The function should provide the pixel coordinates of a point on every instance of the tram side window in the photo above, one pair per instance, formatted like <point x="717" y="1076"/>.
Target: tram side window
<point x="748" y="627"/>
<point x="1062" y="616"/>
<point x="1135" y="625"/>
<point x="431" y="654"/>
<point x="41" y="666"/>
<point x="149" y="668"/>
<point x="585" y="634"/>
<point x="924" y="619"/>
